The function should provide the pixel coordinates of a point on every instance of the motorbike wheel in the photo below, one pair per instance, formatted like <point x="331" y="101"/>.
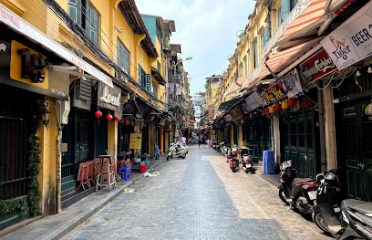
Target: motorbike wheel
<point x="167" y="157"/>
<point x="282" y="196"/>
<point x="183" y="156"/>
<point x="319" y="220"/>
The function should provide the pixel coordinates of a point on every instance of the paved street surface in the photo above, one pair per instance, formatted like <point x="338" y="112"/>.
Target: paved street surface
<point x="198" y="198"/>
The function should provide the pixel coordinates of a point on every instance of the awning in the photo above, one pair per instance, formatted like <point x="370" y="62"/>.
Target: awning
<point x="305" y="20"/>
<point x="235" y="86"/>
<point x="22" y="27"/>
<point x="279" y="61"/>
<point x="225" y="107"/>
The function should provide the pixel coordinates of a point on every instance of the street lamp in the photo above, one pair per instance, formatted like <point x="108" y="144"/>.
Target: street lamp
<point x="179" y="61"/>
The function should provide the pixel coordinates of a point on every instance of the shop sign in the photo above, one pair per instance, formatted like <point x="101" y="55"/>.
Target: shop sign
<point x="274" y="93"/>
<point x="28" y="66"/>
<point x="109" y="98"/>
<point x="317" y="66"/>
<point x="292" y="83"/>
<point x="135" y="141"/>
<point x="252" y="102"/>
<point x="16" y="23"/>
<point x="352" y="41"/>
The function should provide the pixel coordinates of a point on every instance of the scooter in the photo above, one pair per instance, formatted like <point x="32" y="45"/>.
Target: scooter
<point x="356" y="219"/>
<point x="177" y="150"/>
<point x="299" y="193"/>
<point x="247" y="161"/>
<point x="326" y="213"/>
<point x="233" y="161"/>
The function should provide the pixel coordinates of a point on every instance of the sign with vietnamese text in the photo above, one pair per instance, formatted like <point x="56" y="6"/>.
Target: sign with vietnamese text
<point x="292" y="83"/>
<point x="274" y="93"/>
<point x="352" y="41"/>
<point x="135" y="141"/>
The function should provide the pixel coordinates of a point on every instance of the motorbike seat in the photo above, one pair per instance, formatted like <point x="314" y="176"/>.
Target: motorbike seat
<point x="302" y="180"/>
<point x="364" y="208"/>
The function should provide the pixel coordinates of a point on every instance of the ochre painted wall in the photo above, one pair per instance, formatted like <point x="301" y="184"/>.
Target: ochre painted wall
<point x="48" y="164"/>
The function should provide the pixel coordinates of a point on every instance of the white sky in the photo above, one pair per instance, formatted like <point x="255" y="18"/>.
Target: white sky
<point x="206" y="29"/>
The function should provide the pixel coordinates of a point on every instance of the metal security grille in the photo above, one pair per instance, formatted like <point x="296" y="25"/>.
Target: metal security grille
<point x="13" y="144"/>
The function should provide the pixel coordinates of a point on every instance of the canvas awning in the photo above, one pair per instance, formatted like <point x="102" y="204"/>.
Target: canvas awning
<point x="18" y="24"/>
<point x="279" y="61"/>
<point x="308" y="19"/>
<point x="235" y="86"/>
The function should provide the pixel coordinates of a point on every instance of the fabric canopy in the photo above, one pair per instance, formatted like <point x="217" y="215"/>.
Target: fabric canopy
<point x="279" y="61"/>
<point x="235" y="86"/>
<point x="304" y="21"/>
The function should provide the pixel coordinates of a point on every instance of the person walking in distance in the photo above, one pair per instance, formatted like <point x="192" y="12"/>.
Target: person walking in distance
<point x="199" y="140"/>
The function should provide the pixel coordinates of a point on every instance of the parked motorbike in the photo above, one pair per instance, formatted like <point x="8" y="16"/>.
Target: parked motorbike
<point x="177" y="150"/>
<point x="299" y="193"/>
<point x="246" y="160"/>
<point x="356" y="219"/>
<point x="326" y="212"/>
<point x="233" y="161"/>
<point x="215" y="145"/>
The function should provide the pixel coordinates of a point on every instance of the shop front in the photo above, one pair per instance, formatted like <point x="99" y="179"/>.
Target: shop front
<point x="352" y="100"/>
<point x="28" y="123"/>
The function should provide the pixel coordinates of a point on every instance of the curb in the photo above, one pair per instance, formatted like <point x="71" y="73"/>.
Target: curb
<point x="68" y="220"/>
<point x="90" y="213"/>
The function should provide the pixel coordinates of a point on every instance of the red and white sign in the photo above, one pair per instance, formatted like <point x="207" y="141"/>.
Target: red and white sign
<point x="352" y="41"/>
<point x="317" y="66"/>
<point x="16" y="23"/>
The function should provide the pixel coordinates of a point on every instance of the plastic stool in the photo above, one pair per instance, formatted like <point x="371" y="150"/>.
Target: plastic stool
<point x="125" y="173"/>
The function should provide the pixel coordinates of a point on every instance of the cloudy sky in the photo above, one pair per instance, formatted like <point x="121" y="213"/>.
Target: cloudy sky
<point x="206" y="29"/>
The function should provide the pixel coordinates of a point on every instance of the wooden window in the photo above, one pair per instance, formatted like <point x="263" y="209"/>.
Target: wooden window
<point x="123" y="57"/>
<point x="92" y="25"/>
<point x="264" y="37"/>
<point x="86" y="17"/>
<point x="285" y="9"/>
<point x="255" y="55"/>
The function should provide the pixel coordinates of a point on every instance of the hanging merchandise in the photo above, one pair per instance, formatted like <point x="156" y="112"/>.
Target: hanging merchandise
<point x="178" y="89"/>
<point x="284" y="104"/>
<point x="292" y="102"/>
<point x="271" y="109"/>
<point x="109" y="117"/>
<point x="277" y="107"/>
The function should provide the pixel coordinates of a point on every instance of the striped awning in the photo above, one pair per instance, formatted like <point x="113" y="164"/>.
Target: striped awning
<point x="279" y="61"/>
<point x="304" y="21"/>
<point x="235" y="86"/>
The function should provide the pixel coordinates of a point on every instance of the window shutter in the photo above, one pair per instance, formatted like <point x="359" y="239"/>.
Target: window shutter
<point x="139" y="75"/>
<point x="285" y="9"/>
<point x="74" y="11"/>
<point x="148" y="83"/>
<point x="92" y="26"/>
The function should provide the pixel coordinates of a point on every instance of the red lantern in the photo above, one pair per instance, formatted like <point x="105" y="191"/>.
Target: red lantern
<point x="292" y="102"/>
<point x="109" y="117"/>
<point x="277" y="107"/>
<point x="98" y="114"/>
<point x="117" y="119"/>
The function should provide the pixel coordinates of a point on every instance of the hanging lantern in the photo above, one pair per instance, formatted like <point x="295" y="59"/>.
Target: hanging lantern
<point x="109" y="117"/>
<point x="292" y="102"/>
<point x="277" y="107"/>
<point x="98" y="114"/>
<point x="118" y="119"/>
<point x="271" y="109"/>
<point x="285" y="105"/>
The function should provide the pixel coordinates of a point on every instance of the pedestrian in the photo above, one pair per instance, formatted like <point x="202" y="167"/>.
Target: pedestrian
<point x="199" y="140"/>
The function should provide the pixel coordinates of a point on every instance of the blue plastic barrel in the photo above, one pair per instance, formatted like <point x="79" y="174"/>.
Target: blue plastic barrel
<point x="268" y="162"/>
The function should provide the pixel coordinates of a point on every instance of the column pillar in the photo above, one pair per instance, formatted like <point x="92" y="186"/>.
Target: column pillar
<point x="276" y="138"/>
<point x="241" y="142"/>
<point x="161" y="140"/>
<point x="330" y="129"/>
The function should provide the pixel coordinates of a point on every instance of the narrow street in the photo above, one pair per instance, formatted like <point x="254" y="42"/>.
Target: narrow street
<point x="198" y="198"/>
